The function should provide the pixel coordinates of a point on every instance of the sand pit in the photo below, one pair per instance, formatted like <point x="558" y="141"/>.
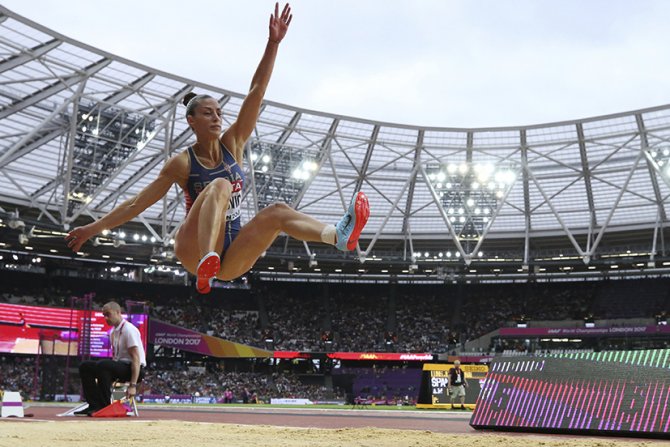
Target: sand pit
<point x="166" y="433"/>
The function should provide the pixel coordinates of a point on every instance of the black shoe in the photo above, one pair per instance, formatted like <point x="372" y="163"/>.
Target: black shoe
<point x="85" y="412"/>
<point x="463" y="407"/>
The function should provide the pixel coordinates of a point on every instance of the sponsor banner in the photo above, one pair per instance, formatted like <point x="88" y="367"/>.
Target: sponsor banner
<point x="291" y="355"/>
<point x="447" y="358"/>
<point x="477" y="369"/>
<point x="274" y="401"/>
<point x="70" y="398"/>
<point x="162" y="399"/>
<point x="169" y="335"/>
<point x="386" y="356"/>
<point x="584" y="331"/>
<point x="204" y="400"/>
<point x="470" y="358"/>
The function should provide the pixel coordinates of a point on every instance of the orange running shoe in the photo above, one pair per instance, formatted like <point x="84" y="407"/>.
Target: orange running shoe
<point x="350" y="226"/>
<point x="207" y="269"/>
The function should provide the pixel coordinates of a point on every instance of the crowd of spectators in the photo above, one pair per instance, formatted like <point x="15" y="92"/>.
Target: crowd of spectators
<point x="17" y="373"/>
<point x="490" y="307"/>
<point x="39" y="297"/>
<point x="232" y="386"/>
<point x="623" y="299"/>
<point x="240" y="326"/>
<point x="298" y="317"/>
<point x="417" y="318"/>
<point x="359" y="322"/>
<point x="295" y="323"/>
<point x="422" y="323"/>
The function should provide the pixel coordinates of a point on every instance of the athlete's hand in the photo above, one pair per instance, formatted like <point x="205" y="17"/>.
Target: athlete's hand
<point x="76" y="238"/>
<point x="279" y="24"/>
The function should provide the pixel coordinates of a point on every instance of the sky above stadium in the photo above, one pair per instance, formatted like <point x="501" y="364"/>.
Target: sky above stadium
<point x="421" y="62"/>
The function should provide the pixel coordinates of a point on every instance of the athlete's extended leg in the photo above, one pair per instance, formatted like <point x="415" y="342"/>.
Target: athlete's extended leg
<point x="256" y="236"/>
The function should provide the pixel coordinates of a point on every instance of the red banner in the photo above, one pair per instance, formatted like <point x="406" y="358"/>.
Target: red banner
<point x="291" y="355"/>
<point x="384" y="356"/>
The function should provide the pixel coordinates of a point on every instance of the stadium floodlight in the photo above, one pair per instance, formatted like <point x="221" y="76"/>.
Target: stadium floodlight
<point x="468" y="192"/>
<point x="14" y="222"/>
<point x="589" y="322"/>
<point x="282" y="172"/>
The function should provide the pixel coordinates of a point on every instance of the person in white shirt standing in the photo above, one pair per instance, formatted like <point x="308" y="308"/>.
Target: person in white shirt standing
<point x="127" y="363"/>
<point x="457" y="384"/>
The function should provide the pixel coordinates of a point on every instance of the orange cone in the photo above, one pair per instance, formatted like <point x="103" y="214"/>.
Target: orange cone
<point x="115" y="410"/>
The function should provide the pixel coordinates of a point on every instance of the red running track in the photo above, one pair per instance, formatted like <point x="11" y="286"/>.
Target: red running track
<point x="444" y="422"/>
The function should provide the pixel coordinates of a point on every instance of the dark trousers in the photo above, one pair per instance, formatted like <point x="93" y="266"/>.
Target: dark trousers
<point x="97" y="377"/>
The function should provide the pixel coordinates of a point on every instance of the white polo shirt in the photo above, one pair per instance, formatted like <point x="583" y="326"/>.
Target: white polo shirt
<point x="125" y="336"/>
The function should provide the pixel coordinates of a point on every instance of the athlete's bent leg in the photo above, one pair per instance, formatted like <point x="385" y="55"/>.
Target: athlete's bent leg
<point x="199" y="240"/>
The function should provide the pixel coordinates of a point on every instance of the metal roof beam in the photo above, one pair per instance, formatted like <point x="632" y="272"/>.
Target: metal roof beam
<point x="129" y="89"/>
<point x="69" y="156"/>
<point x="587" y="174"/>
<point x="28" y="55"/>
<point x="615" y="206"/>
<point x="111" y="99"/>
<point x="368" y="156"/>
<point x="388" y="215"/>
<point x="53" y="89"/>
<point x="410" y="191"/>
<point x="289" y="129"/>
<point x="324" y="152"/>
<point x="29" y="143"/>
<point x="644" y="146"/>
<point x="18" y="151"/>
<point x="526" y="196"/>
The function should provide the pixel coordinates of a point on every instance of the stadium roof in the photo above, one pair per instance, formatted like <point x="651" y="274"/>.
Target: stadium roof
<point x="82" y="130"/>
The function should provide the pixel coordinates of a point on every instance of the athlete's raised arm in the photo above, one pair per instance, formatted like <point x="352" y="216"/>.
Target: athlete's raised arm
<point x="238" y="133"/>
<point x="129" y="209"/>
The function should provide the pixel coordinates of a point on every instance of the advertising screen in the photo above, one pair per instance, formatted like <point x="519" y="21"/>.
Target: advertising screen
<point x="593" y="395"/>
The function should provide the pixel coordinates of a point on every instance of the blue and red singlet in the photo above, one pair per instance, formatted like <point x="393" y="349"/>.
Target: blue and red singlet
<point x="200" y="177"/>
